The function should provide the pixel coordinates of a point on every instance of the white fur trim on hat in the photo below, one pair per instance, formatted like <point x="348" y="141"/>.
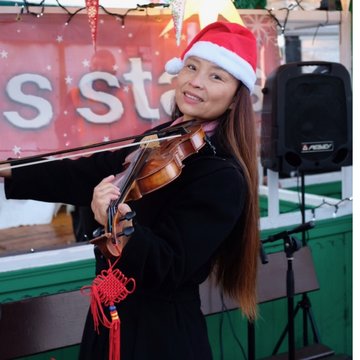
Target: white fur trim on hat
<point x="226" y="59"/>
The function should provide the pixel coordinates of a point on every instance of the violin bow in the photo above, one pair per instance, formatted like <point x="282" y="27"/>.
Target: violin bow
<point x="164" y="134"/>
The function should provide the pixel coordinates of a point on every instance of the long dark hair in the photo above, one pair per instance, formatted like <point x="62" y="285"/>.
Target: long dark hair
<point x="235" y="267"/>
<point x="236" y="264"/>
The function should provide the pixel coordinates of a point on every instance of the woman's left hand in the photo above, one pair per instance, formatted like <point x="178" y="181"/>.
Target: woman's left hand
<point x="103" y="194"/>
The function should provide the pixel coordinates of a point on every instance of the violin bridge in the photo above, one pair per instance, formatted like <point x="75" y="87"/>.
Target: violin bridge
<point x="150" y="141"/>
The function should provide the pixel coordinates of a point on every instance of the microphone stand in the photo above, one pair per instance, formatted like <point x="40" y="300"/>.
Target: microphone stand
<point x="291" y="244"/>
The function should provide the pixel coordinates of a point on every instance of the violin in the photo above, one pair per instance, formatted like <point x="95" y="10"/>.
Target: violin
<point x="147" y="169"/>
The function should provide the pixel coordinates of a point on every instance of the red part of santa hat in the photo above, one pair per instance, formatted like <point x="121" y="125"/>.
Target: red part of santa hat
<point x="229" y="45"/>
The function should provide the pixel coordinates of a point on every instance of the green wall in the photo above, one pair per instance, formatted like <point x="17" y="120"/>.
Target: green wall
<point x="331" y="246"/>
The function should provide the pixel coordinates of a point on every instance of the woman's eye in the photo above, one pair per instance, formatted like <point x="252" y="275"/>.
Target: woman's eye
<point x="191" y="67"/>
<point x="216" y="77"/>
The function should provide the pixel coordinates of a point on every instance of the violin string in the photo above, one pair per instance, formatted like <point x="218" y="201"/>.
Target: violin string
<point x="136" y="166"/>
<point x="110" y="217"/>
<point x="134" y="169"/>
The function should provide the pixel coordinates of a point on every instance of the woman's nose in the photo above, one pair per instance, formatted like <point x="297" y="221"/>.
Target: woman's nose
<point x="197" y="81"/>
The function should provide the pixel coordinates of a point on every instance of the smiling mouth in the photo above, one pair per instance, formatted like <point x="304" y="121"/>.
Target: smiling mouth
<point x="193" y="97"/>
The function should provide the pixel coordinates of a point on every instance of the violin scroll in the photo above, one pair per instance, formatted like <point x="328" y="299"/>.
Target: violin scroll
<point x="112" y="243"/>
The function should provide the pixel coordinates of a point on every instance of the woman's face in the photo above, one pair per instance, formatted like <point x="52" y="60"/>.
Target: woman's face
<point x="204" y="91"/>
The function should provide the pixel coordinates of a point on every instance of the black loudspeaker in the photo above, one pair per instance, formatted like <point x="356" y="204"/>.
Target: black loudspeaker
<point x="306" y="120"/>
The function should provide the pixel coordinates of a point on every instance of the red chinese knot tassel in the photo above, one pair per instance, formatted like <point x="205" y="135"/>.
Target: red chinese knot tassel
<point x="109" y="288"/>
<point x="114" y="336"/>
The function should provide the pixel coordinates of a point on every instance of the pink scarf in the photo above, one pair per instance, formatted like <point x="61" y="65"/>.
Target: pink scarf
<point x="209" y="127"/>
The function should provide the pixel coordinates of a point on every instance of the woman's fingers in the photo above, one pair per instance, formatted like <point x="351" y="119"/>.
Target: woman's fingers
<point x="103" y="194"/>
<point x="123" y="209"/>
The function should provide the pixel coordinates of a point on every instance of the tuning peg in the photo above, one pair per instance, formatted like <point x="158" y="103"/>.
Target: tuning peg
<point x="128" y="216"/>
<point x="127" y="231"/>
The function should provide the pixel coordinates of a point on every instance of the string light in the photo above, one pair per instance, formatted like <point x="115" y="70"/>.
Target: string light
<point x="18" y="16"/>
<point x="281" y="36"/>
<point x="321" y="25"/>
<point x="33" y="13"/>
<point x="120" y="16"/>
<point x="152" y="5"/>
<point x="298" y="3"/>
<point x="282" y="27"/>
<point x="116" y="15"/>
<point x="335" y="205"/>
<point x="26" y="8"/>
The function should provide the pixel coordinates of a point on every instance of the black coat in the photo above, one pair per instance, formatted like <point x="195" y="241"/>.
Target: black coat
<point x="178" y="230"/>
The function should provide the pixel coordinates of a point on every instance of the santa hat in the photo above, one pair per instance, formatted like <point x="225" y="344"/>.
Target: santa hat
<point x="228" y="45"/>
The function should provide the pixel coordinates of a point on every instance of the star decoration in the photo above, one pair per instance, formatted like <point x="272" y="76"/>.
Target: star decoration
<point x="86" y="63"/>
<point x="59" y="39"/>
<point x="208" y="12"/>
<point x="16" y="150"/>
<point x="4" y="54"/>
<point x="68" y="80"/>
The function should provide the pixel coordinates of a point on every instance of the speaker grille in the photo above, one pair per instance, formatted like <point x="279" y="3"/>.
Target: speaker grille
<point x="315" y="112"/>
<point x="307" y="118"/>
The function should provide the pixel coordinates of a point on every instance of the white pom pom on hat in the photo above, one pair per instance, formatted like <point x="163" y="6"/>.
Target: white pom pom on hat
<point x="174" y="66"/>
<point x="228" y="45"/>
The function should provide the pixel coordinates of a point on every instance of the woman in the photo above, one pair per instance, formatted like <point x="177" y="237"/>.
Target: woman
<point x="205" y="221"/>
